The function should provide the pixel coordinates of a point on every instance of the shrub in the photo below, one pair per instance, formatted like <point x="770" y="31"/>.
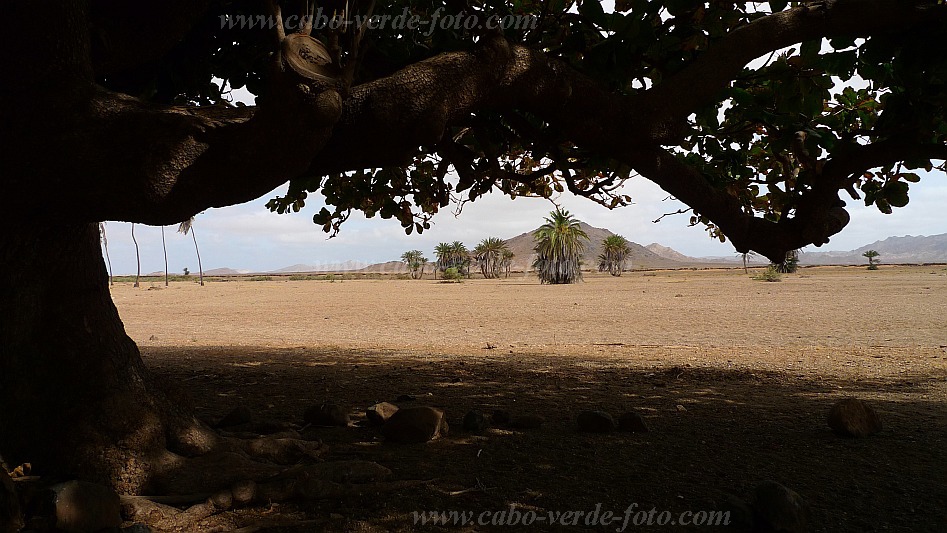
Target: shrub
<point x="452" y="275"/>
<point x="770" y="274"/>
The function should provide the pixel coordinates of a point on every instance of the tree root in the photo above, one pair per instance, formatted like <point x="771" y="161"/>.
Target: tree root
<point x="330" y="480"/>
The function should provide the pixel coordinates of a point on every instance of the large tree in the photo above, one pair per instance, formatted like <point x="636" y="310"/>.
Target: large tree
<point x="109" y="111"/>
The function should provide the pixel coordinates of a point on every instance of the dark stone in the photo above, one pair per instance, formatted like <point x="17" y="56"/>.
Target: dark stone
<point x="632" y="422"/>
<point x="82" y="507"/>
<point x="406" y="398"/>
<point x="379" y="413"/>
<point x="475" y="422"/>
<point x="777" y="508"/>
<point x="852" y="417"/>
<point x="741" y="514"/>
<point x="595" y="422"/>
<point x="415" y="424"/>
<point x="327" y="414"/>
<point x="240" y="415"/>
<point x="500" y="417"/>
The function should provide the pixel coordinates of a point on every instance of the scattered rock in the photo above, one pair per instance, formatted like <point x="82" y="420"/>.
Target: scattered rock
<point x="475" y="422"/>
<point x="406" y="398"/>
<point x="681" y="408"/>
<point x="10" y="517"/>
<point x="240" y="415"/>
<point x="852" y="417"/>
<point x="415" y="424"/>
<point x="500" y="417"/>
<point x="778" y="508"/>
<point x="379" y="413"/>
<point x="595" y="422"/>
<point x="632" y="422"/>
<point x="243" y="492"/>
<point x="81" y="507"/>
<point x="327" y="414"/>
<point x="527" y="422"/>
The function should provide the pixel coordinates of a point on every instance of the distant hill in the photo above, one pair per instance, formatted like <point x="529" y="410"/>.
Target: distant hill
<point x="388" y="267"/>
<point x="669" y="253"/>
<point x="224" y="272"/>
<point x="641" y="257"/>
<point x="893" y="250"/>
<point x="324" y="267"/>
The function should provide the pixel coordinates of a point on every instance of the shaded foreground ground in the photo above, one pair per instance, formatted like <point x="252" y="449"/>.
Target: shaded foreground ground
<point x="754" y="365"/>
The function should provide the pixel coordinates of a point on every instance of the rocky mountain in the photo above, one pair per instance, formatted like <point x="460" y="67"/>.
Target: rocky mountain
<point x="670" y="253"/>
<point x="223" y="272"/>
<point x="641" y="257"/>
<point x="323" y="267"/>
<point x="893" y="250"/>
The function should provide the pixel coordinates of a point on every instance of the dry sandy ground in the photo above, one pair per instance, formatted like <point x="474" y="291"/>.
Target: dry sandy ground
<point x="755" y="366"/>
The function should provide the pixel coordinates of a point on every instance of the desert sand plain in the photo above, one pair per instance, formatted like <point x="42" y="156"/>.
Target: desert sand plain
<point x="733" y="376"/>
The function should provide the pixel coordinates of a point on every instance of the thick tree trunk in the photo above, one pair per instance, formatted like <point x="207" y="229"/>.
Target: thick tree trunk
<point x="77" y="399"/>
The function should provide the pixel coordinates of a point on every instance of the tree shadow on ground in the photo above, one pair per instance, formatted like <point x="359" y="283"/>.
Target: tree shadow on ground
<point x="713" y="431"/>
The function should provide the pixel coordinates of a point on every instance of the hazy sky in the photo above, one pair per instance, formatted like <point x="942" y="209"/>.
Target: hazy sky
<point x="249" y="237"/>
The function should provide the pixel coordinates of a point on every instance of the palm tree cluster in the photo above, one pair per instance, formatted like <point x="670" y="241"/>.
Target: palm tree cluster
<point x="494" y="257"/>
<point x="560" y="243"/>
<point x="614" y="256"/>
<point x="452" y="255"/>
<point x="789" y="265"/>
<point x="416" y="263"/>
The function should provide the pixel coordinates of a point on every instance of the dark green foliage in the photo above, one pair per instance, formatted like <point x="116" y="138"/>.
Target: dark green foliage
<point x="560" y="243"/>
<point x="493" y="256"/>
<point x="790" y="264"/>
<point x="614" y="255"/>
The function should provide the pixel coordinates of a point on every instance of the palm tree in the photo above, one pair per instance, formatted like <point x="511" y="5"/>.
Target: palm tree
<point x="137" y="255"/>
<point x="164" y="247"/>
<point x="873" y="260"/>
<point x="415" y="261"/>
<point x="489" y="255"/>
<point x="460" y="256"/>
<point x="507" y="261"/>
<point x="790" y="264"/>
<point x="559" y="247"/>
<point x="105" y="246"/>
<point x="188" y="226"/>
<point x="443" y="253"/>
<point x="615" y="251"/>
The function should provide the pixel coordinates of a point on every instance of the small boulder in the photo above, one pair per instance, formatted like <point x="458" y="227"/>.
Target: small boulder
<point x="595" y="422"/>
<point x="415" y="424"/>
<point x="240" y="415"/>
<point x="10" y="517"/>
<point x="475" y="422"/>
<point x="777" y="508"/>
<point x="405" y="398"/>
<point x="327" y="414"/>
<point x="500" y="417"/>
<point x="81" y="507"/>
<point x="527" y="422"/>
<point x="379" y="413"/>
<point x="852" y="417"/>
<point x="741" y="514"/>
<point x="632" y="422"/>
